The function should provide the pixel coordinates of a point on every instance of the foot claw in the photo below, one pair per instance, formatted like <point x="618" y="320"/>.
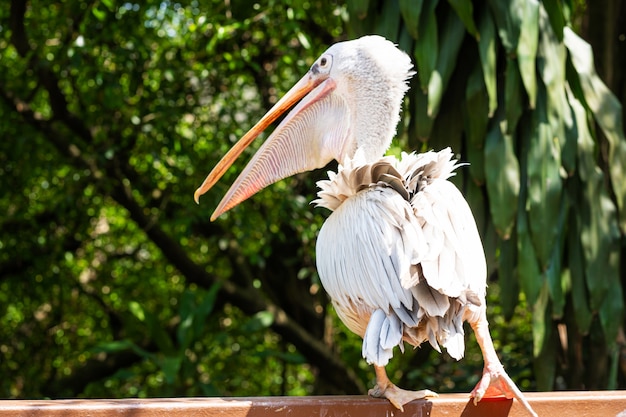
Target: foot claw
<point x="496" y="383"/>
<point x="398" y="396"/>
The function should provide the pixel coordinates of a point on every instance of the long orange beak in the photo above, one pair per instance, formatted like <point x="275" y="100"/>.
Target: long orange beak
<point x="304" y="86"/>
<point x="310" y="136"/>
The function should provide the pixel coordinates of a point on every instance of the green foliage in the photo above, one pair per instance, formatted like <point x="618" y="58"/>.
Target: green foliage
<point x="112" y="282"/>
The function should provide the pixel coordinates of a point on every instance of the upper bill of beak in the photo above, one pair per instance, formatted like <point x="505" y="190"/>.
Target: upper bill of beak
<point x="291" y="148"/>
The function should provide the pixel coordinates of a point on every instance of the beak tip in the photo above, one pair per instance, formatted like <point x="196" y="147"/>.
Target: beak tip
<point x="196" y="196"/>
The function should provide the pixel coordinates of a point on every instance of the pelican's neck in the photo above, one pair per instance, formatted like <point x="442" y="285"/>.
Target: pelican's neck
<point x="377" y="116"/>
<point x="377" y="85"/>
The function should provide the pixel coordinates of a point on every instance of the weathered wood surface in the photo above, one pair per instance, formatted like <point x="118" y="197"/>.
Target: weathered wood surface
<point x="551" y="404"/>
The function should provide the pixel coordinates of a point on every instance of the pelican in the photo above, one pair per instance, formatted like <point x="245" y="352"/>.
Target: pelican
<point x="400" y="255"/>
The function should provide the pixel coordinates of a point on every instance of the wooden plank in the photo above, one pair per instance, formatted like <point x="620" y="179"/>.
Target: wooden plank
<point x="560" y="404"/>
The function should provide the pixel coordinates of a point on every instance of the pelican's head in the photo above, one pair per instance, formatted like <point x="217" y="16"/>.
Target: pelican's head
<point x="349" y="99"/>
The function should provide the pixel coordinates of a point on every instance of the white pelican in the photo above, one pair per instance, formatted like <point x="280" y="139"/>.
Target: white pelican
<point x="400" y="256"/>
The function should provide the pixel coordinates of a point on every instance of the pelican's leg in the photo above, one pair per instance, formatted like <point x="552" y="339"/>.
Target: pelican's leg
<point x="384" y="388"/>
<point x="495" y="381"/>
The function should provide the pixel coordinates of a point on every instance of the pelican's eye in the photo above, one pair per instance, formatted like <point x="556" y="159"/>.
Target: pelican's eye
<point x="323" y="64"/>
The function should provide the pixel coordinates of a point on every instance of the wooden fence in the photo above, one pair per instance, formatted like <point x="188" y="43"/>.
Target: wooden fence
<point x="551" y="404"/>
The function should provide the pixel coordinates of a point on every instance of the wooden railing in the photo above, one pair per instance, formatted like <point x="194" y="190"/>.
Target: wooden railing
<point x="551" y="404"/>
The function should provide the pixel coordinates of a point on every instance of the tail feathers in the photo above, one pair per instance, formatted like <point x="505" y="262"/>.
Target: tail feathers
<point x="383" y="333"/>
<point x="446" y="331"/>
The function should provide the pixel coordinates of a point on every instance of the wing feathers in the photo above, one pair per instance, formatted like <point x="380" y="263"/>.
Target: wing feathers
<point x="401" y="245"/>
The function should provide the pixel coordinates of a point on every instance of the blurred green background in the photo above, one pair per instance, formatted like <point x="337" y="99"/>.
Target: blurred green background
<point x="113" y="283"/>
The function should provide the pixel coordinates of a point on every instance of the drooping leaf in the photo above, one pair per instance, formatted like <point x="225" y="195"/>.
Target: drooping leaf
<point x="529" y="272"/>
<point x="411" y="10"/>
<point x="513" y="100"/>
<point x="551" y="65"/>
<point x="527" y="49"/>
<point x="477" y="202"/>
<point x="508" y="16"/>
<point x="530" y="276"/>
<point x="487" y="52"/>
<point x="507" y="277"/>
<point x="476" y="119"/>
<point x="612" y="306"/>
<point x="607" y="112"/>
<point x="544" y="342"/>
<point x="388" y="23"/>
<point x="502" y="178"/>
<point x="555" y="11"/>
<point x="422" y="123"/>
<point x="451" y="40"/>
<point x="490" y="243"/>
<point x="544" y="182"/>
<point x="554" y="273"/>
<point x="600" y="240"/>
<point x="406" y="41"/>
<point x="205" y="308"/>
<point x="596" y="213"/>
<point x="465" y="10"/>
<point x="427" y="45"/>
<point x="448" y="126"/>
<point x="541" y="319"/>
<point x="170" y="366"/>
<point x="582" y="312"/>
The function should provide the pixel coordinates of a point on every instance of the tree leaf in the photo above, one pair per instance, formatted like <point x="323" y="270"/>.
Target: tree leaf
<point x="137" y="310"/>
<point x="451" y="40"/>
<point x="113" y="346"/>
<point x="512" y="96"/>
<point x="612" y="306"/>
<point x="388" y="22"/>
<point x="607" y="112"/>
<point x="448" y="126"/>
<point x="426" y="44"/>
<point x="530" y="277"/>
<point x="600" y="240"/>
<point x="597" y="216"/>
<point x="508" y="16"/>
<point x="554" y="275"/>
<point x="541" y="319"/>
<point x="259" y="321"/>
<point x="507" y="277"/>
<point x="465" y="10"/>
<point x="411" y="10"/>
<point x="422" y="123"/>
<point x="544" y="182"/>
<point x="170" y="366"/>
<point x="582" y="312"/>
<point x="487" y="52"/>
<point x="527" y="49"/>
<point x="555" y="12"/>
<point x="476" y="200"/>
<point x="475" y="120"/>
<point x="551" y="65"/>
<point x="502" y="178"/>
<point x="544" y="342"/>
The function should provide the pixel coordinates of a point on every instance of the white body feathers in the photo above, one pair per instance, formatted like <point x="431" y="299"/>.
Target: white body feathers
<point x="400" y="256"/>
